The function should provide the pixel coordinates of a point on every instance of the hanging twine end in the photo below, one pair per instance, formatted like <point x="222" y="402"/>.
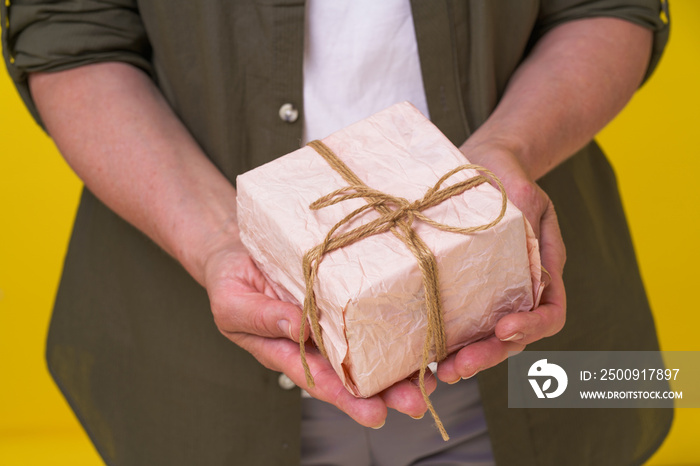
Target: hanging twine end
<point x="429" y="404"/>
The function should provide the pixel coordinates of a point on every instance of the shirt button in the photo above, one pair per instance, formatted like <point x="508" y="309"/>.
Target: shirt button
<point x="288" y="113"/>
<point x="285" y="382"/>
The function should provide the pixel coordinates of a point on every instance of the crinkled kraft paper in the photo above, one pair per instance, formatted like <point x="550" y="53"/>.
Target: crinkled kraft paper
<point x="370" y="294"/>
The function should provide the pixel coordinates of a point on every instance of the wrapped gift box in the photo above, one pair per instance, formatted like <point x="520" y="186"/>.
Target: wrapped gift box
<point x="370" y="294"/>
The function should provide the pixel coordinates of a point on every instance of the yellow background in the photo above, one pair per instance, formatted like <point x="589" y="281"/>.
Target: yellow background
<point x="653" y="145"/>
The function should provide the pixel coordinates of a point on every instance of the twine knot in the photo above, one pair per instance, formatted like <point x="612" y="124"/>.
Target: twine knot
<point x="396" y="215"/>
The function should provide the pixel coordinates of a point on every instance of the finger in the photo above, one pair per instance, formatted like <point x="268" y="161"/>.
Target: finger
<point x="242" y="300"/>
<point x="544" y="321"/>
<point x="552" y="249"/>
<point x="283" y="356"/>
<point x="474" y="358"/>
<point x="532" y="202"/>
<point x="254" y="313"/>
<point x="549" y="317"/>
<point x="406" y="397"/>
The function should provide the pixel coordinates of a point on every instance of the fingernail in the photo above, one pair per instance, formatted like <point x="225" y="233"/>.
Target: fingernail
<point x="285" y="327"/>
<point x="466" y="377"/>
<point x="418" y="417"/>
<point x="514" y="337"/>
<point x="454" y="382"/>
<point x="380" y="425"/>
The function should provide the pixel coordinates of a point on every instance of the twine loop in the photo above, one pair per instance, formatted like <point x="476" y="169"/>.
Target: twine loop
<point x="397" y="215"/>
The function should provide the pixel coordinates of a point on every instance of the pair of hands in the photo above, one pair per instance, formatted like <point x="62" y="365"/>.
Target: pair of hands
<point x="247" y="311"/>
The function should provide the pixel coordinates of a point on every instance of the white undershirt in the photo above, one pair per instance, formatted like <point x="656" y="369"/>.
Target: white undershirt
<point x="360" y="57"/>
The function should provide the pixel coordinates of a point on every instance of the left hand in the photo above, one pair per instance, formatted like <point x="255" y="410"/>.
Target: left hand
<point x="514" y="331"/>
<point x="247" y="311"/>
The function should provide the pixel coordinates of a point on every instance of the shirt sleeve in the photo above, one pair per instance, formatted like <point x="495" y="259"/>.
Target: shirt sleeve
<point x="651" y="14"/>
<point x="58" y="35"/>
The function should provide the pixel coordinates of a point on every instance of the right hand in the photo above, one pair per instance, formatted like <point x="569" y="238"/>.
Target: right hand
<point x="247" y="311"/>
<point x="514" y="331"/>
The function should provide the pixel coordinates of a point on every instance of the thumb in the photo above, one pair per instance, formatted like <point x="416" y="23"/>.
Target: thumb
<point x="258" y="314"/>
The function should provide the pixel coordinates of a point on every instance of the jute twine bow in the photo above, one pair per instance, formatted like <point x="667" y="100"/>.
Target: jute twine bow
<point x="396" y="215"/>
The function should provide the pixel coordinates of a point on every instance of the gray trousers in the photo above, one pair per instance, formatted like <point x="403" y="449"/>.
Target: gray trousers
<point x="330" y="437"/>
